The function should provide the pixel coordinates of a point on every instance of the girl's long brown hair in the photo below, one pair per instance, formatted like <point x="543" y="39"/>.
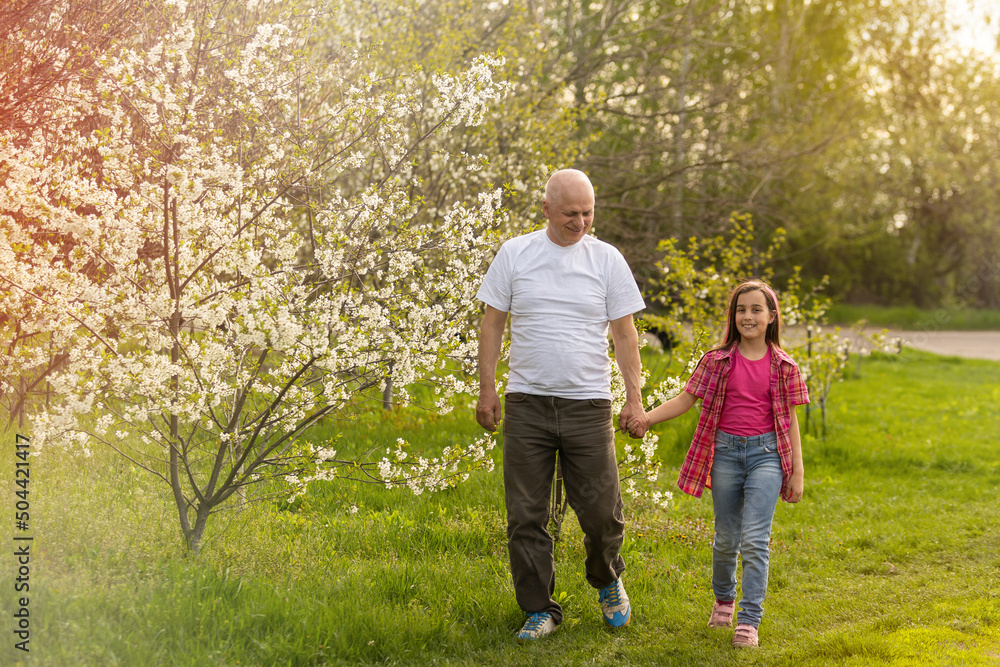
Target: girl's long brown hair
<point x="731" y="334"/>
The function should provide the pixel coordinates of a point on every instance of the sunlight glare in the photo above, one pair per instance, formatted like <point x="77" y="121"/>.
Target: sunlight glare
<point x="977" y="23"/>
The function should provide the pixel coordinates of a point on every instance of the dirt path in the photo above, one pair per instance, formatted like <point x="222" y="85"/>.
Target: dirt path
<point x="971" y="344"/>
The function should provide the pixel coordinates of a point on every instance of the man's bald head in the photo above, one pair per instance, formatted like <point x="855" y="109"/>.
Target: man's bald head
<point x="566" y="179"/>
<point x="568" y="206"/>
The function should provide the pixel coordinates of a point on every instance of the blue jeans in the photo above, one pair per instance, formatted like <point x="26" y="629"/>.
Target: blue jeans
<point x="746" y="485"/>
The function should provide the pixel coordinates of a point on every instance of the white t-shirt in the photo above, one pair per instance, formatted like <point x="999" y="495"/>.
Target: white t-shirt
<point x="561" y="300"/>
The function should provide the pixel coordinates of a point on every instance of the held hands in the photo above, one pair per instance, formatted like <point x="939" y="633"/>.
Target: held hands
<point x="633" y="421"/>
<point x="488" y="410"/>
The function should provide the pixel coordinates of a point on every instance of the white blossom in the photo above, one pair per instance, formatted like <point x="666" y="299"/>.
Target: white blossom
<point x="194" y="279"/>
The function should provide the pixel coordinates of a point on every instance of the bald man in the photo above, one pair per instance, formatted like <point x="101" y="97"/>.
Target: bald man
<point x="563" y="290"/>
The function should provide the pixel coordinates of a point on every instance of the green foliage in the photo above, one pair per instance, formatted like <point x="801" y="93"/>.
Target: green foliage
<point x="822" y="361"/>
<point x="694" y="283"/>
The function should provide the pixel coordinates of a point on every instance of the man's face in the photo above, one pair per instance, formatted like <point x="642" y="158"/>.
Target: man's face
<point x="570" y="213"/>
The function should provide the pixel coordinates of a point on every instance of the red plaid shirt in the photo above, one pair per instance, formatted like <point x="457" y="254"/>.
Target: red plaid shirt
<point x="709" y="384"/>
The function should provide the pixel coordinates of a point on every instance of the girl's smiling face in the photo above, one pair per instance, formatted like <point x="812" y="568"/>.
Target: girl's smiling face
<point x="752" y="315"/>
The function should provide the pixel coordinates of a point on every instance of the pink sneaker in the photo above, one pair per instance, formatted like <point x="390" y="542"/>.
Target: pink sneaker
<point x="745" y="637"/>
<point x="722" y="615"/>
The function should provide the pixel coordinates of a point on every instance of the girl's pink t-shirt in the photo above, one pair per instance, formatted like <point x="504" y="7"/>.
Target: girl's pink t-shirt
<point x="747" y="408"/>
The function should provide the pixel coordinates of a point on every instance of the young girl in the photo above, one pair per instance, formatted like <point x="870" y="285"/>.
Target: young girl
<point x="748" y="439"/>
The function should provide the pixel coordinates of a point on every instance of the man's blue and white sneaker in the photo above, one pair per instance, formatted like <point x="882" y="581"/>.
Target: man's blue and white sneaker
<point x="614" y="604"/>
<point x="537" y="626"/>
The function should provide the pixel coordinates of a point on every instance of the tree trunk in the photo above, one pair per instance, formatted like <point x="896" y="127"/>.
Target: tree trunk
<point x="175" y="355"/>
<point x="175" y="445"/>
<point x="194" y="536"/>
<point x="559" y="503"/>
<point x="387" y="392"/>
<point x="680" y="146"/>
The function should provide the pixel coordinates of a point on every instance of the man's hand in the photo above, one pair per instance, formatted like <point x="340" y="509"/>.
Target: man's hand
<point x="633" y="420"/>
<point x="488" y="410"/>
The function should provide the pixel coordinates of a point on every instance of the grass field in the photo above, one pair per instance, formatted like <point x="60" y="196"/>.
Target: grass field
<point x="911" y="318"/>
<point x="892" y="558"/>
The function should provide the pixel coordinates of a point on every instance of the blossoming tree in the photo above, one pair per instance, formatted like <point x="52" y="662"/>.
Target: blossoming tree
<point x="182" y="233"/>
<point x="693" y="284"/>
<point x="44" y="45"/>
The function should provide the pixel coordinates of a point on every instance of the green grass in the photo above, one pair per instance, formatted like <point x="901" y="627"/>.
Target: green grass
<point x="911" y="318"/>
<point x="892" y="558"/>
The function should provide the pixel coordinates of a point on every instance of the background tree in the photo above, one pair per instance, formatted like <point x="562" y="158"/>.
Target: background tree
<point x="867" y="213"/>
<point x="701" y="106"/>
<point x="44" y="45"/>
<point x="516" y="145"/>
<point x="937" y="128"/>
<point x="698" y="108"/>
<point x="236" y="331"/>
